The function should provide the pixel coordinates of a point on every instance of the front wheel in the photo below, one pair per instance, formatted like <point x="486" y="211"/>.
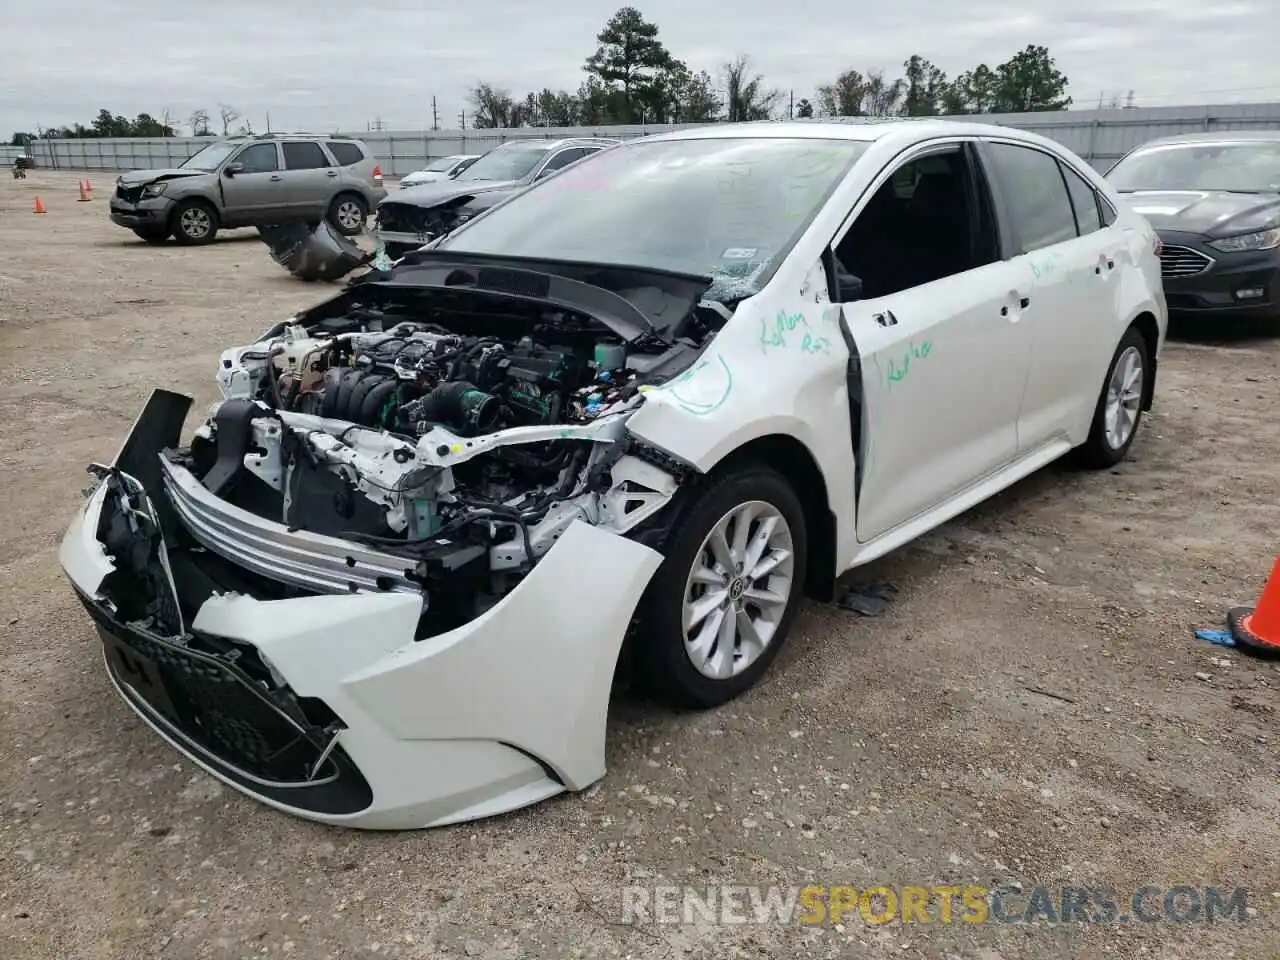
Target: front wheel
<point x="720" y="607"/>
<point x="194" y="223"/>
<point x="1119" y="408"/>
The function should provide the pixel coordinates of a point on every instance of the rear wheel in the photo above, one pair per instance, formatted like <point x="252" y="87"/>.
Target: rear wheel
<point x="347" y="214"/>
<point x="152" y="236"/>
<point x="194" y="222"/>
<point x="720" y="607"/>
<point x="1119" y="409"/>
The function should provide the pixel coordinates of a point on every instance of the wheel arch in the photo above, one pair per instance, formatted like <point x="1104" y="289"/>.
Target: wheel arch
<point x="791" y="458"/>
<point x="1146" y="325"/>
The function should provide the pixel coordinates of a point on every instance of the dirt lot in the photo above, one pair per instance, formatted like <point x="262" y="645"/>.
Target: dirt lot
<point x="906" y="749"/>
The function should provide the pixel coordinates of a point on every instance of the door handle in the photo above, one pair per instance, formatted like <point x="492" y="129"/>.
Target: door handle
<point x="275" y="176"/>
<point x="886" y="319"/>
<point x="331" y="173"/>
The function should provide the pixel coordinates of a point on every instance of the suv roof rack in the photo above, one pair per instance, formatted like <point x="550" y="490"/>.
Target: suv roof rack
<point x="277" y="134"/>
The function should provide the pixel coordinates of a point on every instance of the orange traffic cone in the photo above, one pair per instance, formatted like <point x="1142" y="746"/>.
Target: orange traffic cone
<point x="84" y="191"/>
<point x="1257" y="629"/>
<point x="38" y="207"/>
<point x="88" y="188"/>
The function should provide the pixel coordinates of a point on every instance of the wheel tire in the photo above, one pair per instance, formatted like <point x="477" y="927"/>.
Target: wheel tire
<point x="663" y="667"/>
<point x="195" y="223"/>
<point x="1104" y="448"/>
<point x="347" y="214"/>
<point x="152" y="236"/>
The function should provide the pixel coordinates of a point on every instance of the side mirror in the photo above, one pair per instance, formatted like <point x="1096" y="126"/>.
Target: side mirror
<point x="231" y="169"/>
<point x="848" y="286"/>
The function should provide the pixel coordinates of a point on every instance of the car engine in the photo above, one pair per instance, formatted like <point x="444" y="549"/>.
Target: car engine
<point x="460" y="432"/>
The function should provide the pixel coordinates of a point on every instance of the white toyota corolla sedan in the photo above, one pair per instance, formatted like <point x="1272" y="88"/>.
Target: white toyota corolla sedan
<point x="642" y="408"/>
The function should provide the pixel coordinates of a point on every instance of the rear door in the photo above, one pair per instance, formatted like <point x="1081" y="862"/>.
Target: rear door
<point x="1055" y="221"/>
<point x="257" y="190"/>
<point x="943" y="354"/>
<point x="310" y="179"/>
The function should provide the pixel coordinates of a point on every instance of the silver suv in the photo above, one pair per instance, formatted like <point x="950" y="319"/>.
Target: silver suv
<point x="252" y="181"/>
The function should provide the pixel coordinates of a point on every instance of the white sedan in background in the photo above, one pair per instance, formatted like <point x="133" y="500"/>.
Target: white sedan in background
<point x="442" y="168"/>
<point x="647" y="404"/>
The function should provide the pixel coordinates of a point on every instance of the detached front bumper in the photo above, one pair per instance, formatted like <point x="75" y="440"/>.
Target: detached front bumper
<point x="347" y="719"/>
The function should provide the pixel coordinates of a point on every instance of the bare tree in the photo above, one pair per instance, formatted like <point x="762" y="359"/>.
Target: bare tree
<point x="199" y="121"/>
<point x="883" y="97"/>
<point x="745" y="95"/>
<point x="229" y="114"/>
<point x="492" y="107"/>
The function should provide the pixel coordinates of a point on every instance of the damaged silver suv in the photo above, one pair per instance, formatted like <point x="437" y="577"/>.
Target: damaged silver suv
<point x="250" y="181"/>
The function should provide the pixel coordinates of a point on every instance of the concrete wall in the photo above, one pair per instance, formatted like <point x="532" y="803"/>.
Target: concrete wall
<point x="1099" y="136"/>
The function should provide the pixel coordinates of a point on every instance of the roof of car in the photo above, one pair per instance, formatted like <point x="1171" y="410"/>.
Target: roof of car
<point x="1222" y="136"/>
<point x="851" y="128"/>
<point x="544" y="144"/>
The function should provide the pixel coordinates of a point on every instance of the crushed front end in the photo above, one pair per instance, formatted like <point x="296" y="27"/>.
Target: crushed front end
<point x="386" y="582"/>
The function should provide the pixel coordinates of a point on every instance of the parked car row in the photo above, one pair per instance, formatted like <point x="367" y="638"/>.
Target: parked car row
<point x="1214" y="200"/>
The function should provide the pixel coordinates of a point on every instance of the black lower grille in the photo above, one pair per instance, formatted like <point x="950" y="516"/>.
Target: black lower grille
<point x="129" y="194"/>
<point x="406" y="218"/>
<point x="230" y="722"/>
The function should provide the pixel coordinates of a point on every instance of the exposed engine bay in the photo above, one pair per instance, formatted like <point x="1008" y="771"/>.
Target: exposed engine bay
<point x="461" y="426"/>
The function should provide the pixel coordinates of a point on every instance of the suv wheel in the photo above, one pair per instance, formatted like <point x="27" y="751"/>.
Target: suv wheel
<point x="194" y="222"/>
<point x="347" y="214"/>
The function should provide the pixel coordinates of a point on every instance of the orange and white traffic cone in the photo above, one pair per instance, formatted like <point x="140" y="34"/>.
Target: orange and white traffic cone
<point x="88" y="187"/>
<point x="84" y="191"/>
<point x="37" y="207"/>
<point x="1257" y="629"/>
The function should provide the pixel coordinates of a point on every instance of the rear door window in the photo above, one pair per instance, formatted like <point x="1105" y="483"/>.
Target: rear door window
<point x="304" y="155"/>
<point x="345" y="153"/>
<point x="1035" y="195"/>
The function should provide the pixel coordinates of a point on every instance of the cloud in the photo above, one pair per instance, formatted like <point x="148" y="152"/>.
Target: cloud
<point x="332" y="64"/>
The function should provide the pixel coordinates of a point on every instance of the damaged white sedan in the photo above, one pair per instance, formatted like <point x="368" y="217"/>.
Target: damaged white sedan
<point x="641" y="408"/>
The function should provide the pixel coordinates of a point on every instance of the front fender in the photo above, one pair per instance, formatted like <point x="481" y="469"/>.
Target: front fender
<point x="779" y="366"/>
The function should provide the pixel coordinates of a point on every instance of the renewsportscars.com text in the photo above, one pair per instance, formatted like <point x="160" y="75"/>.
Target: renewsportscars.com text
<point x="813" y="905"/>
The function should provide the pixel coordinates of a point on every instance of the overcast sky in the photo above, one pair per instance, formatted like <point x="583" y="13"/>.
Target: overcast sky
<point x="339" y="64"/>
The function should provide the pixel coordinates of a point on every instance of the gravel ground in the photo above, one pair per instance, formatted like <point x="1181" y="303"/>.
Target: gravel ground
<point x="908" y="749"/>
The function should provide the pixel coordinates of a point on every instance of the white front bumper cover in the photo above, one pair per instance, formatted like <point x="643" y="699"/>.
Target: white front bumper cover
<point x="498" y="714"/>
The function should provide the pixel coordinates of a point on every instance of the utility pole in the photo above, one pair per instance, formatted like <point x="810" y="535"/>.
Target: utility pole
<point x="268" y="121"/>
<point x="462" y="119"/>
<point x="435" y="115"/>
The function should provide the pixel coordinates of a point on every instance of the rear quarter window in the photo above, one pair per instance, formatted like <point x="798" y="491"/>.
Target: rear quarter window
<point x="345" y="153"/>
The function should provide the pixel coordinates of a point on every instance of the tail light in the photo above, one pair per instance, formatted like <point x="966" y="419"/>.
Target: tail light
<point x="377" y="173"/>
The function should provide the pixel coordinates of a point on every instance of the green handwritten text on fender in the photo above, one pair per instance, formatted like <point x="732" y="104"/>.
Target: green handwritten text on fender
<point x="782" y="333"/>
